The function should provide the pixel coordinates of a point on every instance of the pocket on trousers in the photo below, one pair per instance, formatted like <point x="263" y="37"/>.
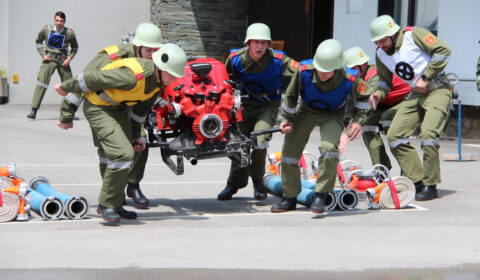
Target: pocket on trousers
<point x="103" y="132"/>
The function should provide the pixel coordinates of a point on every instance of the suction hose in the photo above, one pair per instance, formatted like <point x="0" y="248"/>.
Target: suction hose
<point x="347" y="199"/>
<point x="305" y="197"/>
<point x="76" y="207"/>
<point x="50" y="208"/>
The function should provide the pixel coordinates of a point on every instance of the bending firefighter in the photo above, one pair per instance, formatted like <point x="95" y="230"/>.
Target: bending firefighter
<point x="418" y="58"/>
<point x="147" y="40"/>
<point x="261" y="71"/>
<point x="110" y="94"/>
<point x="323" y="84"/>
<point x="53" y="43"/>
<point x="381" y="118"/>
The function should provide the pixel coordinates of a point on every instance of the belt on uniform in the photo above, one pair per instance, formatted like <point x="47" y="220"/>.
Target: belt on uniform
<point x="57" y="56"/>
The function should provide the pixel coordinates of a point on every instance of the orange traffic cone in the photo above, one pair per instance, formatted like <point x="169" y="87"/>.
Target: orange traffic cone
<point x="7" y="171"/>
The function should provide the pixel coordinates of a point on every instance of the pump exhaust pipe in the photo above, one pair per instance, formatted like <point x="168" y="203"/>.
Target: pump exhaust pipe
<point x="347" y="199"/>
<point x="76" y="207"/>
<point x="193" y="161"/>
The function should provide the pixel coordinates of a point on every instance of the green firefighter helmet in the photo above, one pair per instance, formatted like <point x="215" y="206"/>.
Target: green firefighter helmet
<point x="355" y="56"/>
<point x="383" y="26"/>
<point x="258" y="31"/>
<point x="147" y="35"/>
<point x="329" y="56"/>
<point x="170" y="58"/>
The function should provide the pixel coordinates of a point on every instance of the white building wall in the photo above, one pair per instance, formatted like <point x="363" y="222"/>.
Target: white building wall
<point x="458" y="24"/>
<point x="97" y="24"/>
<point x="351" y="24"/>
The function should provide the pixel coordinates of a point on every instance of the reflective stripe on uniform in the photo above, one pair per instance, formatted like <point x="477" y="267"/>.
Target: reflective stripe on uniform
<point x="39" y="46"/>
<point x="263" y="146"/>
<point x="326" y="154"/>
<point x="137" y="118"/>
<point x="430" y="142"/>
<point x="440" y="58"/>
<point x="116" y="165"/>
<point x="73" y="99"/>
<point x="386" y="123"/>
<point x="289" y="109"/>
<point x="383" y="85"/>
<point x="360" y="105"/>
<point x="398" y="142"/>
<point x="42" y="85"/>
<point x="370" y="128"/>
<point x="107" y="98"/>
<point x="81" y="83"/>
<point x="291" y="161"/>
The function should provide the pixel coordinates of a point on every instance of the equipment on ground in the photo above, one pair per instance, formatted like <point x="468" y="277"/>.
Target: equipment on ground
<point x="76" y="207"/>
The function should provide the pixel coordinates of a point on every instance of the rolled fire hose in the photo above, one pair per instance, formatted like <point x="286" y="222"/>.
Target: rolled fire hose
<point x="5" y="182"/>
<point x="76" y="207"/>
<point x="305" y="197"/>
<point x="7" y="171"/>
<point x="381" y="196"/>
<point x="9" y="206"/>
<point x="49" y="207"/>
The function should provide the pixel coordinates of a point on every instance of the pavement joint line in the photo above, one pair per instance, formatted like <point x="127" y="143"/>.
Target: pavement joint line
<point x="196" y="215"/>
<point x="150" y="183"/>
<point x="96" y="164"/>
<point x="472" y="145"/>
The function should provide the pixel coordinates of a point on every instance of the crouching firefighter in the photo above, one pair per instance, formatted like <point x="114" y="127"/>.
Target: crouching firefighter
<point x="110" y="94"/>
<point x="324" y="84"/>
<point x="261" y="71"/>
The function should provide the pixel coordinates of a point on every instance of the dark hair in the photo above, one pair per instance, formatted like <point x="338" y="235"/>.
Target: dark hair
<point x="60" y="14"/>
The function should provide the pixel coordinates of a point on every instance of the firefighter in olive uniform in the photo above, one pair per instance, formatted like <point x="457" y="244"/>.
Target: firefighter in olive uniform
<point x="355" y="58"/>
<point x="109" y="93"/>
<point x="55" y="55"/>
<point x="261" y="72"/>
<point x="323" y="84"/>
<point x="478" y="74"/>
<point x="417" y="57"/>
<point x="147" y="40"/>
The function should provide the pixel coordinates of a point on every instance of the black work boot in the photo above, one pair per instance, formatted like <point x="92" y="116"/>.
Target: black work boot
<point x="287" y="204"/>
<point x="418" y="186"/>
<point x="125" y="214"/>
<point x="33" y="114"/>
<point x="134" y="192"/>
<point x="318" y="203"/>
<point x="108" y="214"/>
<point x="429" y="192"/>
<point x="259" y="190"/>
<point x="227" y="193"/>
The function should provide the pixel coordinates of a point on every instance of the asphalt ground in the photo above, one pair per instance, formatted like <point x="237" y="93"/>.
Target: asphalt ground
<point x="187" y="234"/>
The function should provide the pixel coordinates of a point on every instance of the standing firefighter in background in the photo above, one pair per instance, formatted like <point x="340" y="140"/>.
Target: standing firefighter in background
<point x="324" y="84"/>
<point x="355" y="58"/>
<point x="55" y="55"/>
<point x="147" y="40"/>
<point x="261" y="71"/>
<point x="417" y="57"/>
<point x="110" y="93"/>
<point x="478" y="74"/>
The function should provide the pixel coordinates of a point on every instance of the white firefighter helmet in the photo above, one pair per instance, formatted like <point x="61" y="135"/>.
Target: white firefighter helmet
<point x="147" y="35"/>
<point x="355" y="56"/>
<point x="383" y="26"/>
<point x="170" y="58"/>
<point x="329" y="56"/>
<point x="258" y="31"/>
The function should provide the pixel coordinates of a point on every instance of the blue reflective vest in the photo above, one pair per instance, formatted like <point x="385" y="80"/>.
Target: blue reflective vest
<point x="57" y="40"/>
<point x="319" y="100"/>
<point x="267" y="83"/>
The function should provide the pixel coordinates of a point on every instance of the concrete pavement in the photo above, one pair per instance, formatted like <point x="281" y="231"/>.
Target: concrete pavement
<point x="188" y="234"/>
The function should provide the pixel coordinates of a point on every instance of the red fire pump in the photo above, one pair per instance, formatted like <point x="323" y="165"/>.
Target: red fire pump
<point x="200" y="111"/>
